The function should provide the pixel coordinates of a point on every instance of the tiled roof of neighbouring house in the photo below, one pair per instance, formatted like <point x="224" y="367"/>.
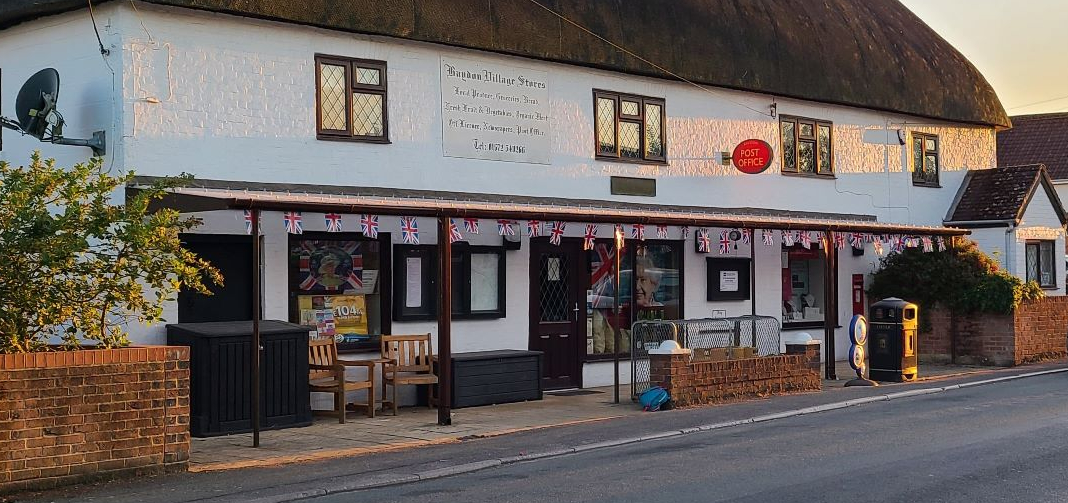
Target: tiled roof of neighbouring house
<point x="1040" y="138"/>
<point x="1001" y="194"/>
<point x="863" y="53"/>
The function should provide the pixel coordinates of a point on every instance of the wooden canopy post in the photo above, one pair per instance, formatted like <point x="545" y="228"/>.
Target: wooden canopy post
<point x="444" y="323"/>
<point x="830" y="302"/>
<point x="257" y="298"/>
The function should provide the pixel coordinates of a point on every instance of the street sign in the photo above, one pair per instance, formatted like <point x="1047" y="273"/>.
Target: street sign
<point x="752" y="156"/>
<point x="858" y="330"/>
<point x="856" y="358"/>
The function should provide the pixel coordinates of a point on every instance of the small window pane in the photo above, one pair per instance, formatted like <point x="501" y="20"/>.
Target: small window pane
<point x="789" y="147"/>
<point x="654" y="137"/>
<point x="332" y="98"/>
<point x="369" y="76"/>
<point x="1032" y="262"/>
<point x="805" y="130"/>
<point x="917" y="158"/>
<point x="825" y="149"/>
<point x="606" y="126"/>
<point x="1045" y="263"/>
<point x="930" y="168"/>
<point x="629" y="108"/>
<point x="630" y="139"/>
<point x="484" y="276"/>
<point x="367" y="114"/>
<point x="929" y="144"/>
<point x="806" y="157"/>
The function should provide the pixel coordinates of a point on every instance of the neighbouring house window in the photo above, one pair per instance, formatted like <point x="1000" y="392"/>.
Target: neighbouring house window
<point x="478" y="282"/>
<point x="925" y="160"/>
<point x="628" y="127"/>
<point x="802" y="286"/>
<point x="651" y="289"/>
<point x="351" y="99"/>
<point x="334" y="286"/>
<point x="1040" y="266"/>
<point x="806" y="146"/>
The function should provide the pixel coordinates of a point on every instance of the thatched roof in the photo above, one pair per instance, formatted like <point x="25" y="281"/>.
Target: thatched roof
<point x="867" y="53"/>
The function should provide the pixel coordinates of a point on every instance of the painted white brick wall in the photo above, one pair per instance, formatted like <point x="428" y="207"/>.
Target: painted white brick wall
<point x="1039" y="222"/>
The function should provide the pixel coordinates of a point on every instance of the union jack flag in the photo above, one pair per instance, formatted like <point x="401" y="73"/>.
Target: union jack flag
<point x="409" y="230"/>
<point x="333" y="222"/>
<point x="941" y="243"/>
<point x="869" y="237"/>
<point x="769" y="239"/>
<point x="589" y="237"/>
<point x="685" y="230"/>
<point x="839" y="240"/>
<point x="313" y="270"/>
<point x="454" y="233"/>
<point x="471" y="225"/>
<point x="504" y="228"/>
<point x="856" y="240"/>
<point x="928" y="245"/>
<point x="806" y="239"/>
<point x="724" y="242"/>
<point x="747" y="236"/>
<point x="248" y="221"/>
<point x="661" y="232"/>
<point x="704" y="244"/>
<point x="293" y="222"/>
<point x="601" y="279"/>
<point x="637" y="231"/>
<point x="878" y="245"/>
<point x="533" y="228"/>
<point x="912" y="241"/>
<point x="788" y="238"/>
<point x="369" y="226"/>
<point x="557" y="233"/>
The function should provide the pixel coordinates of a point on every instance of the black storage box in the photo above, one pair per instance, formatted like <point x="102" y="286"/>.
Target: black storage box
<point x="492" y="377"/>
<point x="220" y="375"/>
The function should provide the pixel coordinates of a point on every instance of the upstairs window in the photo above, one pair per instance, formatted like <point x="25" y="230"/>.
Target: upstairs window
<point x="350" y="99"/>
<point x="925" y="161"/>
<point x="629" y="128"/>
<point x="806" y="146"/>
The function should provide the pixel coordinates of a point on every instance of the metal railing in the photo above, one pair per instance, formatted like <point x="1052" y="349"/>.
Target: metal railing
<point x="759" y="332"/>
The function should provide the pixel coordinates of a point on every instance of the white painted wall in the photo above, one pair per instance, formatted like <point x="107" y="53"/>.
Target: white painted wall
<point x="236" y="101"/>
<point x="1040" y="222"/>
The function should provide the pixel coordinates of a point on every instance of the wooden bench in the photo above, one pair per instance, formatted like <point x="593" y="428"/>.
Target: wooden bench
<point x="408" y="362"/>
<point x="326" y="374"/>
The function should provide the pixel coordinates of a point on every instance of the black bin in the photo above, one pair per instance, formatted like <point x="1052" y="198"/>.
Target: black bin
<point x="220" y="373"/>
<point x="892" y="350"/>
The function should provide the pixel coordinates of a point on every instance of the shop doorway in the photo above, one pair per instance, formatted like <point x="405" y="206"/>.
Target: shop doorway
<point x="558" y="310"/>
<point x="232" y="256"/>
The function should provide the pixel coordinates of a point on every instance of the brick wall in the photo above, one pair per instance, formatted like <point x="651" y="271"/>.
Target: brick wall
<point x="1037" y="330"/>
<point x="72" y="416"/>
<point x="695" y="383"/>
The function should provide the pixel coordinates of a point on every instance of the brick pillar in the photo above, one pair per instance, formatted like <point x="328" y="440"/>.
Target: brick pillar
<point x="811" y="352"/>
<point x="665" y="370"/>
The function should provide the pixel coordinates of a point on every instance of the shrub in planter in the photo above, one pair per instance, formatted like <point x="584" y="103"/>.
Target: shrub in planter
<point x="77" y="267"/>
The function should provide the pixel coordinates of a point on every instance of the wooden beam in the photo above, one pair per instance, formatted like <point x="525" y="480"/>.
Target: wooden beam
<point x="830" y="302"/>
<point x="444" y="323"/>
<point x="257" y="297"/>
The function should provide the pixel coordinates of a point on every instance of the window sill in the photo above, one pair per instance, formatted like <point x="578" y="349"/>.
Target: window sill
<point x="605" y="358"/>
<point x="925" y="184"/>
<point x="802" y="325"/>
<point x="817" y="176"/>
<point x="353" y="139"/>
<point x="628" y="160"/>
<point x="1048" y="287"/>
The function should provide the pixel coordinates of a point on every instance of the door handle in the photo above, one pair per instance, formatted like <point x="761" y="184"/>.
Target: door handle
<point x="562" y="336"/>
<point x="575" y="311"/>
<point x="544" y="336"/>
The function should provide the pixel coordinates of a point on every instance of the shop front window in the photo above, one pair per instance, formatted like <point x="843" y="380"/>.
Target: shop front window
<point x="335" y="287"/>
<point x="650" y="290"/>
<point x="802" y="286"/>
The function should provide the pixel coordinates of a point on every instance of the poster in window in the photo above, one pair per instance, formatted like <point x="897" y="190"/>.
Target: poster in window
<point x="728" y="281"/>
<point x="484" y="278"/>
<point x="413" y="286"/>
<point x="343" y="317"/>
<point x="330" y="266"/>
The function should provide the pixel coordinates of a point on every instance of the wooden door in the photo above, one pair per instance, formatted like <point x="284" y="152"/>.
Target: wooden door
<point x="557" y="310"/>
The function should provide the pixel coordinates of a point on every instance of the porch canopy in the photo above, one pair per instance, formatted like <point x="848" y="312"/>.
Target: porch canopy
<point x="213" y="195"/>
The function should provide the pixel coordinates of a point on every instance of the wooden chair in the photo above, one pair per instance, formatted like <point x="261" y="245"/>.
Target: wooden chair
<point x="409" y="361"/>
<point x="326" y="374"/>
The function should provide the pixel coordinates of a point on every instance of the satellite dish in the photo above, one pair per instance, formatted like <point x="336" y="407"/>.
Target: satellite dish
<point x="35" y="108"/>
<point x="36" y="100"/>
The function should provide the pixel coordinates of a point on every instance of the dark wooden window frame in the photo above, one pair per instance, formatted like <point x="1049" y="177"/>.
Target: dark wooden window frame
<point x="384" y="287"/>
<point x="428" y="309"/>
<point x="1037" y="243"/>
<point x="639" y="119"/>
<point x="797" y="325"/>
<point x="630" y="250"/>
<point x="938" y="158"/>
<point x="351" y="86"/>
<point x="816" y="123"/>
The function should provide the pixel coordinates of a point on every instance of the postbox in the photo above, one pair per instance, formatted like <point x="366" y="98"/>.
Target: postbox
<point x="892" y="350"/>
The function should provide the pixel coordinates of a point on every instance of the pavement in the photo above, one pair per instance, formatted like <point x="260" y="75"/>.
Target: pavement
<point x="485" y="437"/>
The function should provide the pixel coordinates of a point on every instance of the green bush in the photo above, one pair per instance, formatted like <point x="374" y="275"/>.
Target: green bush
<point x="962" y="278"/>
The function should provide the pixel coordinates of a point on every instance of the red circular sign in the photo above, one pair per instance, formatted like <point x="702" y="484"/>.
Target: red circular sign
<point x="752" y="156"/>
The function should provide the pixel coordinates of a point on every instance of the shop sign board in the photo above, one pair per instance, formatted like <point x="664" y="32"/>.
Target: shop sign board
<point x="752" y="156"/>
<point x="494" y="112"/>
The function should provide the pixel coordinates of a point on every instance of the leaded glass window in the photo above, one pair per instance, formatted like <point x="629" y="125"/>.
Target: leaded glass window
<point x="925" y="159"/>
<point x="1039" y="263"/>
<point x="629" y="127"/>
<point x="351" y="99"/>
<point x="806" y="146"/>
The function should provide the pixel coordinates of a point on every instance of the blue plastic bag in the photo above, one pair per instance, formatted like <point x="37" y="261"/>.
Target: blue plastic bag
<point x="652" y="398"/>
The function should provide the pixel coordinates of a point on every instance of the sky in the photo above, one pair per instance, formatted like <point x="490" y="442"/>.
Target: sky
<point x="1020" y="46"/>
